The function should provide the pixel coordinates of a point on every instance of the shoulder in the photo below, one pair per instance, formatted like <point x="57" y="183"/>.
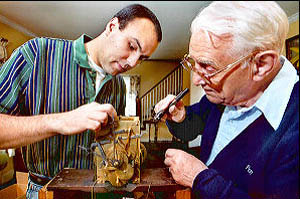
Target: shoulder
<point x="292" y="110"/>
<point x="289" y="126"/>
<point x="37" y="43"/>
<point x="44" y="41"/>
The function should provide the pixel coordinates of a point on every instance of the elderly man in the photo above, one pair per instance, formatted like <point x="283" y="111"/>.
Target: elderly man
<point x="249" y="116"/>
<point x="55" y="92"/>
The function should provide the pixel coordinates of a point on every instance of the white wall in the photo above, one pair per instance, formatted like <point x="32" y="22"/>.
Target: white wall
<point x="196" y="92"/>
<point x="195" y="95"/>
<point x="130" y="109"/>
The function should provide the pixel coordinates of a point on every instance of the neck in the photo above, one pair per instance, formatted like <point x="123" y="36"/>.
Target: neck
<point x="250" y="101"/>
<point x="93" y="49"/>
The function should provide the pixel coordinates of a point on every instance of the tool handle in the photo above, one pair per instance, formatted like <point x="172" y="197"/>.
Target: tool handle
<point x="161" y="113"/>
<point x="179" y="97"/>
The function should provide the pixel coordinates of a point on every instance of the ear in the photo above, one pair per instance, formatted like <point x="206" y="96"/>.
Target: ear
<point x="112" y="25"/>
<point x="264" y="63"/>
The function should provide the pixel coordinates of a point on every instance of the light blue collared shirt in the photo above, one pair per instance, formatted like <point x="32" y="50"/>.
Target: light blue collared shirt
<point x="272" y="103"/>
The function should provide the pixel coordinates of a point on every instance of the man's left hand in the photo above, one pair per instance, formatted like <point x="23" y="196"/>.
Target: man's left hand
<point x="183" y="166"/>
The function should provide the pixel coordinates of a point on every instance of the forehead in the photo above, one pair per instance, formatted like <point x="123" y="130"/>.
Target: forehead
<point x="205" y="45"/>
<point x="144" y="31"/>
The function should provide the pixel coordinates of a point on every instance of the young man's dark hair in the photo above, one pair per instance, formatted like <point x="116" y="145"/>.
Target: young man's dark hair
<point x="133" y="11"/>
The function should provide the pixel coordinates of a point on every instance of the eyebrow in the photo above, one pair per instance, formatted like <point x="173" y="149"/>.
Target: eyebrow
<point x="138" y="43"/>
<point x="142" y="56"/>
<point x="207" y="62"/>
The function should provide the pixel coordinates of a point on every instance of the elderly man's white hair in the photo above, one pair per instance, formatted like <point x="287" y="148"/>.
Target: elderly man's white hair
<point x="254" y="25"/>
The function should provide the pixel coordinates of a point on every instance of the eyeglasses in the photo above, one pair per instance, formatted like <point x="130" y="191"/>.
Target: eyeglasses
<point x="189" y="63"/>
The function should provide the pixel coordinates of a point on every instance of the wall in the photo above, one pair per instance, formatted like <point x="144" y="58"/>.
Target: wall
<point x="294" y="29"/>
<point x="15" y="38"/>
<point x="152" y="72"/>
<point x="196" y="92"/>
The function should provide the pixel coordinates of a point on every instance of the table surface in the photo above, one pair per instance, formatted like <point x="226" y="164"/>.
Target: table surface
<point x="156" y="179"/>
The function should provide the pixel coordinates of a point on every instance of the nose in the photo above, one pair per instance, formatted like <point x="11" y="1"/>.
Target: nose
<point x="133" y="59"/>
<point x="197" y="79"/>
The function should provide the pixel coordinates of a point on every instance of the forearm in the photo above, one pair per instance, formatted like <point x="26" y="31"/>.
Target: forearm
<point x="188" y="129"/>
<point x="17" y="131"/>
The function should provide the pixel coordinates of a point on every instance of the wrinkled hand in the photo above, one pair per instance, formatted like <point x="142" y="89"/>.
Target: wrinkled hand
<point x="93" y="116"/>
<point x="176" y="113"/>
<point x="183" y="166"/>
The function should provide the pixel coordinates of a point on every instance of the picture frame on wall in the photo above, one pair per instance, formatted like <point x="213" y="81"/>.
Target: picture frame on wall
<point x="292" y="50"/>
<point x="3" y="51"/>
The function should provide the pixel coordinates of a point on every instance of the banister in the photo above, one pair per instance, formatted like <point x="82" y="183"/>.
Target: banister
<point x="176" y="68"/>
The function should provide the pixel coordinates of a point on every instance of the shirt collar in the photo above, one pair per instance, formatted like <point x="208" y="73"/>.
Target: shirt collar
<point x="275" y="98"/>
<point x="97" y="68"/>
<point x="80" y="53"/>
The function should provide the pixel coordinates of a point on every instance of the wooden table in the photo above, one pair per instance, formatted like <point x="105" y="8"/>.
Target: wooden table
<point x="74" y="183"/>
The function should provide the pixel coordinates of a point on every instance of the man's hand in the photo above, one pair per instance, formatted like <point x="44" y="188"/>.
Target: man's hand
<point x="17" y="131"/>
<point x="183" y="166"/>
<point x="93" y="116"/>
<point x="175" y="113"/>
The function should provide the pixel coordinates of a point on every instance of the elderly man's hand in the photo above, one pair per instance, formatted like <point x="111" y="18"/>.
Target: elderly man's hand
<point x="183" y="166"/>
<point x="175" y="113"/>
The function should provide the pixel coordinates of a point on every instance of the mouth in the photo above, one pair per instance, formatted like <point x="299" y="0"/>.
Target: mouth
<point x="119" y="67"/>
<point x="214" y="96"/>
<point x="210" y="92"/>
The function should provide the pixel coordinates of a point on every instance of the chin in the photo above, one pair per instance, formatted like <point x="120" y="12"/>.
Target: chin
<point x="113" y="73"/>
<point x="109" y="69"/>
<point x="116" y="72"/>
<point x="214" y="99"/>
<point x="116" y="69"/>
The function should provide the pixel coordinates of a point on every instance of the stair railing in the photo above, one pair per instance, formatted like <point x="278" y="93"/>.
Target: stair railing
<point x="172" y="83"/>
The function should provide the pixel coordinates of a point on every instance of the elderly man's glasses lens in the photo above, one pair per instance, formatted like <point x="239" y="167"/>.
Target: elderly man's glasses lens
<point x="189" y="63"/>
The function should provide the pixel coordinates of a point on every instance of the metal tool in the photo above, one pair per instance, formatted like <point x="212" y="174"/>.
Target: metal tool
<point x="91" y="150"/>
<point x="161" y="113"/>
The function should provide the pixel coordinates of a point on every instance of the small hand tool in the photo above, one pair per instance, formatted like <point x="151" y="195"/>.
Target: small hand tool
<point x="161" y="113"/>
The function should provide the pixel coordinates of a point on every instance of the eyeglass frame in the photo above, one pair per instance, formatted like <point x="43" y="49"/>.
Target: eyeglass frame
<point x="206" y="76"/>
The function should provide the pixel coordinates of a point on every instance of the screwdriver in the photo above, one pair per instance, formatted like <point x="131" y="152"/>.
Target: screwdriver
<point x="161" y="113"/>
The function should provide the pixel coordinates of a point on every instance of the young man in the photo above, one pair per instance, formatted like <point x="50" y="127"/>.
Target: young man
<point x="54" y="92"/>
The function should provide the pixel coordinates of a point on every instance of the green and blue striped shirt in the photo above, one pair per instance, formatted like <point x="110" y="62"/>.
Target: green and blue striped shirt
<point x="47" y="75"/>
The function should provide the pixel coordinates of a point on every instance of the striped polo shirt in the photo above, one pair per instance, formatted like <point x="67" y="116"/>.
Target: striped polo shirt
<point x="48" y="75"/>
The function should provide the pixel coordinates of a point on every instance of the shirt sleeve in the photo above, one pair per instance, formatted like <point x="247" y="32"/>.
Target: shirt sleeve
<point x="194" y="122"/>
<point x="14" y="76"/>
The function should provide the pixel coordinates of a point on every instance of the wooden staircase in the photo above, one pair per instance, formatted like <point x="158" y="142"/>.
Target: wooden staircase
<point x="172" y="83"/>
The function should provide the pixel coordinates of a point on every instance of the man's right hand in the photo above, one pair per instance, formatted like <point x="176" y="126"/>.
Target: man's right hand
<point x="175" y="113"/>
<point x="93" y="116"/>
<point x="17" y="131"/>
